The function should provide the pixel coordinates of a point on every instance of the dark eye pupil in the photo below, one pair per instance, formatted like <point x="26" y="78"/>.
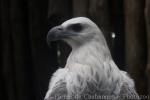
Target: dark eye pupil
<point x="76" y="27"/>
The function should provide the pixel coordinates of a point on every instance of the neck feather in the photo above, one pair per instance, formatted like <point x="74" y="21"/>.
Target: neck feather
<point x="93" y="61"/>
<point x="93" y="52"/>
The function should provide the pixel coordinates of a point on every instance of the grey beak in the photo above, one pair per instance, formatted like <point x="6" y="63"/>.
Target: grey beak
<point x="55" y="33"/>
<point x="58" y="33"/>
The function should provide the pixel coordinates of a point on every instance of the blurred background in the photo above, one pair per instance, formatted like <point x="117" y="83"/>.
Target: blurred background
<point x="27" y="62"/>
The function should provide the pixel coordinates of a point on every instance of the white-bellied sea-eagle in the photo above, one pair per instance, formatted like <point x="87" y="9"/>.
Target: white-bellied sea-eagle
<point x="90" y="72"/>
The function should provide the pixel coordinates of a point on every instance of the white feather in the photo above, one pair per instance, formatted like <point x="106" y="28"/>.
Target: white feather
<point x="89" y="62"/>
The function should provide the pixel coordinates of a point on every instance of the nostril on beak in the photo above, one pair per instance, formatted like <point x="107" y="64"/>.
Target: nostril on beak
<point x="60" y="28"/>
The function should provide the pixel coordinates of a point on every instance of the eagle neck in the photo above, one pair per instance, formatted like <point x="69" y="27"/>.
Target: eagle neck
<point x="94" y="57"/>
<point x="90" y="52"/>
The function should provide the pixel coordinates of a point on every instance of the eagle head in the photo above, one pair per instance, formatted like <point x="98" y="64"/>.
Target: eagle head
<point x="75" y="32"/>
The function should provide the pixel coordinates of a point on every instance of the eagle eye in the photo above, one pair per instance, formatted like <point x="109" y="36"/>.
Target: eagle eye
<point x="76" y="27"/>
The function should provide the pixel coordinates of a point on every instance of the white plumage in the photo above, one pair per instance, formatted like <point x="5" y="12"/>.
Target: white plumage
<point x="90" y="72"/>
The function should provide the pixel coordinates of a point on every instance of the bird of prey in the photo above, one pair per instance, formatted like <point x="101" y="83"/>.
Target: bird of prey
<point x="90" y="72"/>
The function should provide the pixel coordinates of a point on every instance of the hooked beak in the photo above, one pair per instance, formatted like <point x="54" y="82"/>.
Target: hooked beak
<point x="55" y="33"/>
<point x="58" y="33"/>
